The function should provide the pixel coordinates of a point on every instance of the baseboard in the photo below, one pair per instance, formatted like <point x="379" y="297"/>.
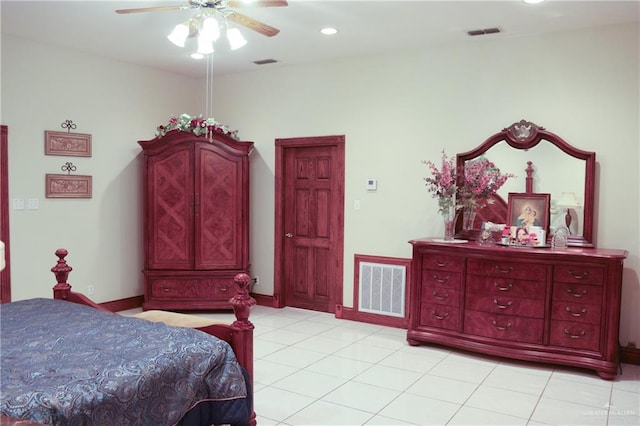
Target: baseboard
<point x="354" y="315"/>
<point x="264" y="300"/>
<point x="124" y="304"/>
<point x="630" y="355"/>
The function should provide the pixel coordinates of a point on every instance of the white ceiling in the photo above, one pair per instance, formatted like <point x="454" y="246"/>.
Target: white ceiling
<point x="365" y="27"/>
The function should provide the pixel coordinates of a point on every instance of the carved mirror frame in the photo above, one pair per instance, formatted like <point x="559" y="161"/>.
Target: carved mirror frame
<point x="524" y="135"/>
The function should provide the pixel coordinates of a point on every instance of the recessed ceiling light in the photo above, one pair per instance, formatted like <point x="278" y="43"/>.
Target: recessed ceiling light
<point x="532" y="1"/>
<point x="197" y="55"/>
<point x="328" y="31"/>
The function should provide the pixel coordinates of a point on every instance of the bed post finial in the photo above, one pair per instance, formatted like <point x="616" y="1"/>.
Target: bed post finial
<point x="242" y="301"/>
<point x="61" y="271"/>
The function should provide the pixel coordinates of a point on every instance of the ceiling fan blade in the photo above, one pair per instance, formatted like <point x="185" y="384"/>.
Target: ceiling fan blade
<point x="153" y="9"/>
<point x="257" y="3"/>
<point x="252" y="24"/>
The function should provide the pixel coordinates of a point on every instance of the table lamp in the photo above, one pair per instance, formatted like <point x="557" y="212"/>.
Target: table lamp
<point x="569" y="201"/>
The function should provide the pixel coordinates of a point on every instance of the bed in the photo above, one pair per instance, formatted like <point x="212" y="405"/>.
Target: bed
<point x="68" y="360"/>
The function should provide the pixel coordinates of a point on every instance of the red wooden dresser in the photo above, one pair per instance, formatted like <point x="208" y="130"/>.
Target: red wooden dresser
<point x="537" y="304"/>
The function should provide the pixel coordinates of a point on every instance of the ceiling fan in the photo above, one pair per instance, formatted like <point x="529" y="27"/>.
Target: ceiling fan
<point x="223" y="8"/>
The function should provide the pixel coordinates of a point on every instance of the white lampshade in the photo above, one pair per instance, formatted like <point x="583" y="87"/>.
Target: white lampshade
<point x="236" y="39"/>
<point x="210" y="29"/>
<point x="2" y="261"/>
<point x="205" y="45"/>
<point x="179" y="35"/>
<point x="568" y="200"/>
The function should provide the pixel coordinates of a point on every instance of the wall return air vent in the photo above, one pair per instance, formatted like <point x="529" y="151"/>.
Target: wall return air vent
<point x="485" y="31"/>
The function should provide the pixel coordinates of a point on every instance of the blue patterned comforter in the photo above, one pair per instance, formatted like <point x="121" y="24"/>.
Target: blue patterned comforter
<point x="64" y="363"/>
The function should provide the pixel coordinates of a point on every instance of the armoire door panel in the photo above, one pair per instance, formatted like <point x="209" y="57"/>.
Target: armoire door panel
<point x="171" y="211"/>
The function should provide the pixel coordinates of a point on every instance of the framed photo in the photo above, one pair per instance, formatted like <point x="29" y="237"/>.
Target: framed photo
<point x="70" y="144"/>
<point x="68" y="186"/>
<point x="529" y="209"/>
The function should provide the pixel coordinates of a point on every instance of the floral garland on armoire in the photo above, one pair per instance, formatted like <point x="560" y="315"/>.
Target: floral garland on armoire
<point x="196" y="125"/>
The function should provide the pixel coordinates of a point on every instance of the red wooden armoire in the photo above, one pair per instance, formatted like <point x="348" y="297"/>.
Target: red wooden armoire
<point x="196" y="219"/>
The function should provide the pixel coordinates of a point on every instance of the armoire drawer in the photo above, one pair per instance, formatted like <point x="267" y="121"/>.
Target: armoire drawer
<point x="575" y="335"/>
<point x="506" y="286"/>
<point x="191" y="288"/>
<point x="578" y="274"/>
<point x="507" y="269"/>
<point x="505" y="304"/>
<point x="440" y="316"/>
<point x="569" y="292"/>
<point x="505" y="327"/>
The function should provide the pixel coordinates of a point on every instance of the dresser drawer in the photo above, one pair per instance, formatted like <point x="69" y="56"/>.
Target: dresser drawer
<point x="575" y="335"/>
<point x="440" y="262"/>
<point x="506" y="286"/>
<point x="505" y="327"/>
<point x="577" y="293"/>
<point x="578" y="274"/>
<point x="440" y="316"/>
<point x="441" y="296"/>
<point x="504" y="269"/>
<point x="577" y="312"/>
<point x="442" y="279"/>
<point x="505" y="304"/>
<point x="191" y="288"/>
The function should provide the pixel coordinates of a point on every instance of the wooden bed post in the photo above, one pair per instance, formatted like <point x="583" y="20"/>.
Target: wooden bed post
<point x="242" y="341"/>
<point x="61" y="270"/>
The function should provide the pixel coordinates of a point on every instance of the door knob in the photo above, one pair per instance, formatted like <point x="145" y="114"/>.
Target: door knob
<point x="288" y="235"/>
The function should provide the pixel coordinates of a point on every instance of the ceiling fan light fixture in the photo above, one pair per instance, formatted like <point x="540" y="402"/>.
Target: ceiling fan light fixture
<point x="329" y="31"/>
<point x="205" y="45"/>
<point x="210" y="29"/>
<point x="196" y="55"/>
<point x="179" y="35"/>
<point x="236" y="39"/>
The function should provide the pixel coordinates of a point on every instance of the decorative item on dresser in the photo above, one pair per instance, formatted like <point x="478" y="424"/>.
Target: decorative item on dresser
<point x="537" y="303"/>
<point x="196" y="215"/>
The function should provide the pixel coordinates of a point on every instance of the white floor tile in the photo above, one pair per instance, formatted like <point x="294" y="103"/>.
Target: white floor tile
<point x="506" y="377"/>
<point x="418" y="410"/>
<point x="326" y="413"/>
<point x="388" y="377"/>
<point x="410" y="361"/>
<point x="295" y="357"/>
<point x="309" y="383"/>
<point x="361" y="396"/>
<point x="463" y="368"/>
<point x="443" y="388"/>
<point x="503" y="401"/>
<point x="581" y="391"/>
<point x="556" y="412"/>
<point x="364" y="352"/>
<point x="322" y="344"/>
<point x="267" y="372"/>
<point x="474" y="416"/>
<point x="345" y="368"/>
<point x="278" y="404"/>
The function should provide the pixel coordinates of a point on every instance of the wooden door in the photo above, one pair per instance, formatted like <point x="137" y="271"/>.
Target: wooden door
<point x="5" y="277"/>
<point x="310" y="220"/>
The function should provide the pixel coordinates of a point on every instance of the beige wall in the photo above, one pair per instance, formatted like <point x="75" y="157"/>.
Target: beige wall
<point x="394" y="110"/>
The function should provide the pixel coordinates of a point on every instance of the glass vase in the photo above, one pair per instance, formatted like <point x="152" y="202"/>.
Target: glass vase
<point x="449" y="217"/>
<point x="468" y="218"/>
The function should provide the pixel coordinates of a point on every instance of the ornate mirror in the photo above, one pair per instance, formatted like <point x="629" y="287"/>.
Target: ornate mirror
<point x="542" y="162"/>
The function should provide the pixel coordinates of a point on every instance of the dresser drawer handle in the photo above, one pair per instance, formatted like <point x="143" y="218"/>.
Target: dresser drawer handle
<point x="574" y="294"/>
<point x="574" y="336"/>
<point x="167" y="289"/>
<point x="439" y="297"/>
<point x="579" y="275"/>
<point x="499" y="287"/>
<point x="440" y="263"/>
<point x="504" y="270"/>
<point x="501" y="327"/>
<point x="502" y="305"/>
<point x="223" y="288"/>
<point x="440" y="317"/>
<point x="576" y="314"/>
<point x="440" y="280"/>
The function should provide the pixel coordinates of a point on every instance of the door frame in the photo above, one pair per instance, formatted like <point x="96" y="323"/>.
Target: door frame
<point x="282" y="145"/>
<point x="5" y="275"/>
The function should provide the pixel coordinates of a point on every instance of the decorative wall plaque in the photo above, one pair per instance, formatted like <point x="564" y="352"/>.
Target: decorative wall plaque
<point x="68" y="186"/>
<point x="71" y="144"/>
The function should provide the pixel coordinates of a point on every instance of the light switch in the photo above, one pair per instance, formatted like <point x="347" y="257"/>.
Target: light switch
<point x="356" y="204"/>
<point x="372" y="184"/>
<point x="33" y="204"/>
<point x="18" y="204"/>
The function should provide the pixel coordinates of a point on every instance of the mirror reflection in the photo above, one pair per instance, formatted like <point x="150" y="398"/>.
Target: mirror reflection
<point x="555" y="173"/>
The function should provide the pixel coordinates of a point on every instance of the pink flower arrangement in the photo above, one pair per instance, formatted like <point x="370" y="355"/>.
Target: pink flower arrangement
<point x="442" y="182"/>
<point x="196" y="125"/>
<point x="482" y="179"/>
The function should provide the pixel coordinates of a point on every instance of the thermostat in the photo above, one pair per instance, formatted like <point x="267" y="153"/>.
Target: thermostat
<point x="372" y="184"/>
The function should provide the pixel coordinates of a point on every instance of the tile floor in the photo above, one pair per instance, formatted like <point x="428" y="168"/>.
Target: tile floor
<point x="314" y="369"/>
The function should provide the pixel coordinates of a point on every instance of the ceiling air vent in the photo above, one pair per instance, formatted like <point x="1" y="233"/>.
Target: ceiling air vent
<point x="485" y="31"/>
<point x="265" y="61"/>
